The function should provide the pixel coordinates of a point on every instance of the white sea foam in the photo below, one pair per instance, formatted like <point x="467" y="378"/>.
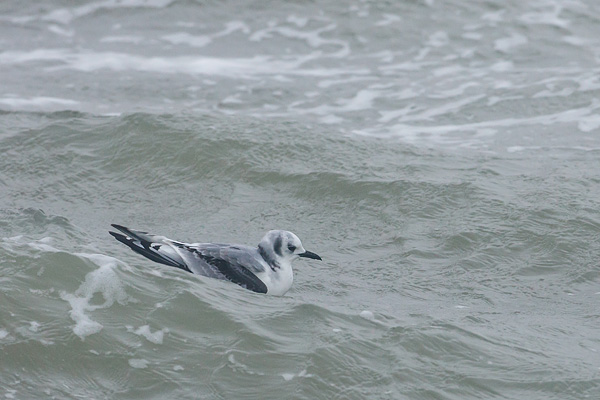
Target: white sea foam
<point x="440" y="66"/>
<point x="457" y="91"/>
<point x="67" y="15"/>
<point x="298" y="21"/>
<point x="34" y="326"/>
<point x="39" y="102"/>
<point x="361" y="101"/>
<point x="515" y="149"/>
<point x="144" y="330"/>
<point x="494" y="16"/>
<point x="104" y="281"/>
<point x="123" y="39"/>
<point x="238" y="366"/>
<point x="58" y="30"/>
<point x="327" y="83"/>
<point x="502" y="66"/>
<point x="589" y="123"/>
<point x="506" y="44"/>
<point x="260" y="65"/>
<point x="412" y="128"/>
<point x="138" y="363"/>
<point x="472" y="36"/>
<point x="290" y="376"/>
<point x="438" y="39"/>
<point x="448" y="70"/>
<point x="312" y="38"/>
<point x="155" y="273"/>
<point x="368" y="315"/>
<point x="548" y="16"/>
<point x="42" y="244"/>
<point x="331" y="119"/>
<point x="178" y="38"/>
<point x="188" y="39"/>
<point x="576" y="40"/>
<point x="388" y="19"/>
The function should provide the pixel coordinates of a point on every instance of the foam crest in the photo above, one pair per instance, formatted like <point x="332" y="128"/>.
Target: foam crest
<point x="42" y="245"/>
<point x="290" y="375"/>
<point x="67" y="15"/>
<point x="203" y="40"/>
<point x="508" y="43"/>
<point x="155" y="337"/>
<point x="257" y="66"/>
<point x="412" y="128"/>
<point x="140" y="363"/>
<point x="548" y="14"/>
<point x="38" y="102"/>
<point x="312" y="38"/>
<point x="103" y="281"/>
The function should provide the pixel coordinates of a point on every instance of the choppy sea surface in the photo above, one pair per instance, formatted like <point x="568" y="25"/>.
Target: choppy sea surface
<point x="443" y="157"/>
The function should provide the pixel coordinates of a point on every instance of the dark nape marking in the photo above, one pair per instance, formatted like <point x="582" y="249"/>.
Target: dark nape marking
<point x="268" y="259"/>
<point x="277" y="246"/>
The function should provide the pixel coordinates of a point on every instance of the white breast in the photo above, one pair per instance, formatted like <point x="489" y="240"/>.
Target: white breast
<point x="278" y="282"/>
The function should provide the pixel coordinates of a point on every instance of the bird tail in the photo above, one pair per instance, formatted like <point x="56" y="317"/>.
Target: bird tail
<point x="156" y="248"/>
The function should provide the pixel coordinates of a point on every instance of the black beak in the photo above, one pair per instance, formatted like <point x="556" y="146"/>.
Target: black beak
<point x="310" y="254"/>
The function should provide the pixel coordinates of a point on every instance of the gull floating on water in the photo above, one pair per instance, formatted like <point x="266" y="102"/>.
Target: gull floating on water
<point x="263" y="269"/>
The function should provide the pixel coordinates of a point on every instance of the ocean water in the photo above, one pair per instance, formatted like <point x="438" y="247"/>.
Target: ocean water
<point x="443" y="157"/>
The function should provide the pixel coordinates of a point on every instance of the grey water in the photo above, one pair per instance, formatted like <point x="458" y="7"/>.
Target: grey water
<point x="443" y="157"/>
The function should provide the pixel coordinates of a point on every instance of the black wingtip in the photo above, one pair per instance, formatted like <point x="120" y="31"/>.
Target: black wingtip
<point x="121" y="238"/>
<point x="144" y="249"/>
<point x="120" y="227"/>
<point x="130" y="233"/>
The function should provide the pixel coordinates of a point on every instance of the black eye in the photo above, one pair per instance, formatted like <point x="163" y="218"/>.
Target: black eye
<point x="291" y="247"/>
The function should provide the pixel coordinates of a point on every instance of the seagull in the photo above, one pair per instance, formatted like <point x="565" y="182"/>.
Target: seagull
<point x="263" y="269"/>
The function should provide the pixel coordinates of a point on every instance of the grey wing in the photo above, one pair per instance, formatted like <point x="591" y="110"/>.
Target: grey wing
<point x="238" y="264"/>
